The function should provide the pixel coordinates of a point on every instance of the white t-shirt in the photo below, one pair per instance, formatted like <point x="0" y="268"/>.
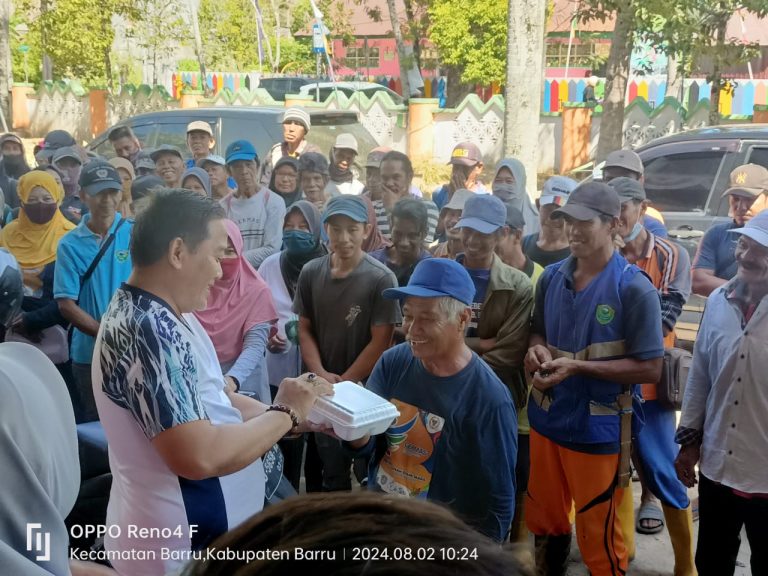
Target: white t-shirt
<point x="260" y="220"/>
<point x="153" y="371"/>
<point x="354" y="188"/>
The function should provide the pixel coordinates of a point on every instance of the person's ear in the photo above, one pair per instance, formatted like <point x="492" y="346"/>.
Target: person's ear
<point x="176" y="253"/>
<point x="464" y="318"/>
<point x="211" y="143"/>
<point x="644" y="207"/>
<point x="367" y="231"/>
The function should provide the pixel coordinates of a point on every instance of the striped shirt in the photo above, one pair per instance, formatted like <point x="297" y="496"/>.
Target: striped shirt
<point x="382" y="219"/>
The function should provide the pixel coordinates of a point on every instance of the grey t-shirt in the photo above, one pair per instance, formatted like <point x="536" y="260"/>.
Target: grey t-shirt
<point x="342" y="310"/>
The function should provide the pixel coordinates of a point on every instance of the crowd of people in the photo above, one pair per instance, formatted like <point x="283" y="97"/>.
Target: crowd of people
<point x="197" y="305"/>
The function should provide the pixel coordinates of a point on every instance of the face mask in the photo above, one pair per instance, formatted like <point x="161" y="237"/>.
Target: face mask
<point x="13" y="161"/>
<point x="298" y="241"/>
<point x="229" y="266"/>
<point x="69" y="179"/>
<point x="40" y="212"/>
<point x="636" y="229"/>
<point x="505" y="191"/>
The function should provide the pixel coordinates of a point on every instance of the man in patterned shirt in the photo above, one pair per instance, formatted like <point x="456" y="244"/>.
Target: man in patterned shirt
<point x="185" y="452"/>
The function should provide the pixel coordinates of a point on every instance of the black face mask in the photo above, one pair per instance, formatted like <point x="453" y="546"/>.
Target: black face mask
<point x="13" y="160"/>
<point x="40" y="212"/>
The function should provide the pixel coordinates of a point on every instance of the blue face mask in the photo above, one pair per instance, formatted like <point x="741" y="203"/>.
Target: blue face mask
<point x="298" y="241"/>
<point x="636" y="229"/>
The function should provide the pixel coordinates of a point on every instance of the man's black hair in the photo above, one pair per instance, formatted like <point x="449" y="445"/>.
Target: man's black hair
<point x="396" y="156"/>
<point x="413" y="210"/>
<point x="172" y="214"/>
<point x="121" y="132"/>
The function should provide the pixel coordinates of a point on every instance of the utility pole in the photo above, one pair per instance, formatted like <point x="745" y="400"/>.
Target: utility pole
<point x="525" y="75"/>
<point x="198" y="44"/>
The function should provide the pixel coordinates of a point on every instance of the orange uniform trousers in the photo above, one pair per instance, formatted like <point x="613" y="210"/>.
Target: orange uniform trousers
<point x="560" y="477"/>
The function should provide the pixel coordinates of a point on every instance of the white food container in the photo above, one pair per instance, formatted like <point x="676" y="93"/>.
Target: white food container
<point x="353" y="411"/>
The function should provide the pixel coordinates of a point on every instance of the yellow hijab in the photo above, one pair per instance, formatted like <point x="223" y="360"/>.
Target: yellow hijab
<point x="34" y="245"/>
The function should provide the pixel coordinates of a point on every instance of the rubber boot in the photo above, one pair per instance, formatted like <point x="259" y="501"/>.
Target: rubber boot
<point x="680" y="527"/>
<point x="626" y="513"/>
<point x="552" y="555"/>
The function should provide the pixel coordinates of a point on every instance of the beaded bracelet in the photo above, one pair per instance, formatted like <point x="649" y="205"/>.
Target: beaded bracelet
<point x="285" y="410"/>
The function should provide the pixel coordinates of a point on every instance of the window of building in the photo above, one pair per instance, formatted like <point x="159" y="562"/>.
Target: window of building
<point x="583" y="54"/>
<point x="356" y="59"/>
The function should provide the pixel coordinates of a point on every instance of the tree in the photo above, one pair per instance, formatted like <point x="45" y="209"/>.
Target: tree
<point x="77" y="35"/>
<point x="401" y="54"/>
<point x="5" y="60"/>
<point x="159" y="29"/>
<point x="472" y="43"/>
<point x="616" y="70"/>
<point x="696" y="29"/>
<point x="228" y="32"/>
<point x="525" y="74"/>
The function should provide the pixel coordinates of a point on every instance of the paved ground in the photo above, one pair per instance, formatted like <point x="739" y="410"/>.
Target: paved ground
<point x="654" y="553"/>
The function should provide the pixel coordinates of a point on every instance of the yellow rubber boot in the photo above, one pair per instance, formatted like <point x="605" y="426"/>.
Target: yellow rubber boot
<point x="680" y="527"/>
<point x="626" y="514"/>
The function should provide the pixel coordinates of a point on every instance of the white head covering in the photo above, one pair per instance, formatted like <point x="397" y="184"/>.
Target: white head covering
<point x="39" y="462"/>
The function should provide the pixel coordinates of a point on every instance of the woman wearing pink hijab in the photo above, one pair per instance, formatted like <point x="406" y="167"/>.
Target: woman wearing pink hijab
<point x="238" y="319"/>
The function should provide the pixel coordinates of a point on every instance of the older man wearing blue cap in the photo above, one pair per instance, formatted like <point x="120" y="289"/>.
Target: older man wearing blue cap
<point x="257" y="212"/>
<point x="345" y="324"/>
<point x="723" y="427"/>
<point x="455" y="441"/>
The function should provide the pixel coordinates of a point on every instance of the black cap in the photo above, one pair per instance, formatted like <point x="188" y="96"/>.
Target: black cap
<point x="98" y="176"/>
<point x="628" y="189"/>
<point x="165" y="149"/>
<point x="515" y="218"/>
<point x="313" y="162"/>
<point x="143" y="185"/>
<point x="58" y="139"/>
<point x="589" y="201"/>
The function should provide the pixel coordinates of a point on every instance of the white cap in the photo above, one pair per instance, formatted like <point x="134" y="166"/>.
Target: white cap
<point x="347" y="142"/>
<point x="199" y="126"/>
<point x="556" y="190"/>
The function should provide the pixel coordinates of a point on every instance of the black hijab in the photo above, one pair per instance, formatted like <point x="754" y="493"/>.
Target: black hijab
<point x="292" y="197"/>
<point x="290" y="263"/>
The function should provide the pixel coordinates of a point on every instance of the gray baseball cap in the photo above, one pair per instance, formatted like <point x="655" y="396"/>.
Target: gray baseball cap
<point x="589" y="201"/>
<point x="626" y="159"/>
<point x="628" y="189"/>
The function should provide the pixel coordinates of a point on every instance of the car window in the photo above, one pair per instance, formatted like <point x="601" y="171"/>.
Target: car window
<point x="262" y="130"/>
<point x="326" y="129"/>
<point x="103" y="147"/>
<point x="758" y="155"/>
<point x="682" y="182"/>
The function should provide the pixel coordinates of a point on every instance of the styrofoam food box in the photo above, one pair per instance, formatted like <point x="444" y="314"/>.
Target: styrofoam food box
<point x="353" y="411"/>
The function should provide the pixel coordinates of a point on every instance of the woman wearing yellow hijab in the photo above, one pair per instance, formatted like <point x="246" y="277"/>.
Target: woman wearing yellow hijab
<point x="33" y="239"/>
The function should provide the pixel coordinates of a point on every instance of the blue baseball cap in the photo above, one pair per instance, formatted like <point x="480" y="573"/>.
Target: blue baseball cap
<point x="350" y="206"/>
<point x="240" y="150"/>
<point x="484" y="213"/>
<point x="756" y="228"/>
<point x="98" y="176"/>
<point x="436" y="278"/>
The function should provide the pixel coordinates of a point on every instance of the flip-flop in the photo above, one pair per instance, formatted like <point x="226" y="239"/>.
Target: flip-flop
<point x="649" y="511"/>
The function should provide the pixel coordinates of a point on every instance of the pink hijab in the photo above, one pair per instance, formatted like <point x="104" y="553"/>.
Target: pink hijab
<point x="238" y="301"/>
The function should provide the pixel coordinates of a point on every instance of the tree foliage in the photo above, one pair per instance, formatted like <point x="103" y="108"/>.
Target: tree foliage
<point x="229" y="32"/>
<point x="471" y="39"/>
<point x="159" y="28"/>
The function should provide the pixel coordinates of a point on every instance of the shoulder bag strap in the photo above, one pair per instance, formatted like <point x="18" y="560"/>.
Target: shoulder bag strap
<point x="104" y="247"/>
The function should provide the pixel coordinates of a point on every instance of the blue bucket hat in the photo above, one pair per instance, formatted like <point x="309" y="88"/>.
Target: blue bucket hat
<point x="436" y="278"/>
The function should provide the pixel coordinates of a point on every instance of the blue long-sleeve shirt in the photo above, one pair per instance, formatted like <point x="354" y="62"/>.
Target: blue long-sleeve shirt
<point x="455" y="441"/>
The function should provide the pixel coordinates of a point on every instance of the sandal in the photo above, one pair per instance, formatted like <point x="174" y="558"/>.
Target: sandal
<point x="649" y="512"/>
